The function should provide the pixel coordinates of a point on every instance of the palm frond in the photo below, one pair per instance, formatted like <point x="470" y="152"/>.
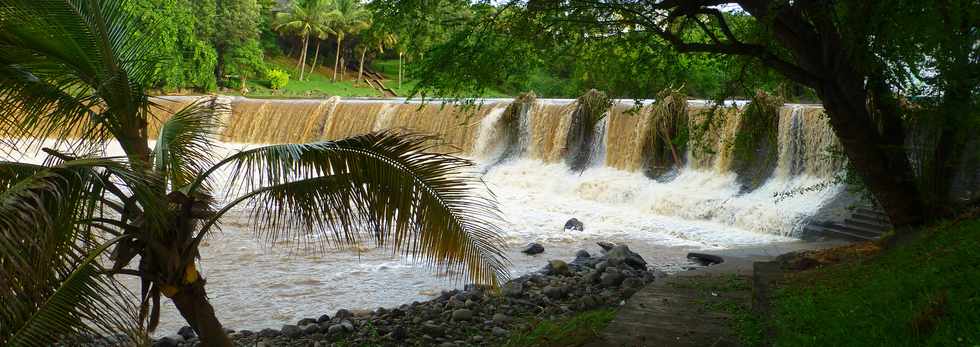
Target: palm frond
<point x="71" y="69"/>
<point x="384" y="187"/>
<point x="186" y="141"/>
<point x="50" y="280"/>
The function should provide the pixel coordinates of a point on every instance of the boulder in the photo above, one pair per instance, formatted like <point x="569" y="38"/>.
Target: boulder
<point x="558" y="267"/>
<point x="705" y="259"/>
<point x="582" y="254"/>
<point x="462" y="314"/>
<point x="574" y="224"/>
<point x="323" y="318"/>
<point x="498" y="331"/>
<point x="291" y="331"/>
<point x="633" y="282"/>
<point x="606" y="246"/>
<point x="611" y="278"/>
<point x="398" y="333"/>
<point x="533" y="248"/>
<point x="432" y="329"/>
<point x="335" y="329"/>
<point x="513" y="289"/>
<point x="306" y="321"/>
<point x="309" y="329"/>
<point x="343" y="314"/>
<point x="621" y="254"/>
<point x="592" y="277"/>
<point x="500" y="318"/>
<point x="268" y="332"/>
<point x="554" y="292"/>
<point x="186" y="332"/>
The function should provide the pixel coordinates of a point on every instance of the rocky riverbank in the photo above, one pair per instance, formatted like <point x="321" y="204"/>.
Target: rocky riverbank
<point x="475" y="316"/>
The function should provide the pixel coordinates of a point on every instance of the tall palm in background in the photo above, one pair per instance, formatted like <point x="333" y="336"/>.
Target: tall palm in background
<point x="305" y="18"/>
<point x="351" y="17"/>
<point x="71" y="73"/>
<point x="375" y="39"/>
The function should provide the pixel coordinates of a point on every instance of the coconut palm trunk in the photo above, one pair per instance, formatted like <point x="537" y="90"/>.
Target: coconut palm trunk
<point x="302" y="60"/>
<point x="315" y="56"/>
<point x="192" y="303"/>
<point x="400" y="70"/>
<point x="360" y="70"/>
<point x="336" y="61"/>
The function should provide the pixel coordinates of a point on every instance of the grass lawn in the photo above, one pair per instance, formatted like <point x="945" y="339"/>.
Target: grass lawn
<point x="571" y="331"/>
<point x="320" y="85"/>
<point x="923" y="293"/>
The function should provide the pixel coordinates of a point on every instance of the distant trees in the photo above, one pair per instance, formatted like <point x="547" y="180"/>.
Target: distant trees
<point x="236" y="39"/>
<point x="304" y="18"/>
<point x="351" y="17"/>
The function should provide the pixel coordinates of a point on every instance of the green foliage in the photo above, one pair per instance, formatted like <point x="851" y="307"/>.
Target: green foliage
<point x="277" y="79"/>
<point x="755" y="145"/>
<point x="921" y="293"/>
<point x="182" y="42"/>
<point x="575" y="330"/>
<point x="245" y="60"/>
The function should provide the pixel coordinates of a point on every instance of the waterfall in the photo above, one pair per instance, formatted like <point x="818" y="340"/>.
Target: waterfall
<point x="533" y="136"/>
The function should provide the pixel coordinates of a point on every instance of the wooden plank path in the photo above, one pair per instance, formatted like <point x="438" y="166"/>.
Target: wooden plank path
<point x="675" y="311"/>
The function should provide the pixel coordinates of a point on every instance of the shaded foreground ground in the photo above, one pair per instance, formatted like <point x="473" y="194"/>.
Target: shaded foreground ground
<point x="924" y="291"/>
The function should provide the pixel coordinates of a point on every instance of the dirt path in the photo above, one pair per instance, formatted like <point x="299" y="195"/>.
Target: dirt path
<point x="694" y="308"/>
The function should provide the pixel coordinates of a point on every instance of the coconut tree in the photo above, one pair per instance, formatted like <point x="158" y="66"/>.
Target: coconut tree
<point x="377" y="40"/>
<point x="303" y="19"/>
<point x="351" y="17"/>
<point x="74" y="81"/>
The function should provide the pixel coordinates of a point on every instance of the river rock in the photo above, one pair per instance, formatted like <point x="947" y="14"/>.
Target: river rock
<point x="323" y="318"/>
<point x="582" y="254"/>
<point x="611" y="278"/>
<point x="574" y="224"/>
<point x="462" y="314"/>
<point x="347" y="325"/>
<point x="592" y="276"/>
<point x="291" y="331"/>
<point x="513" y="289"/>
<point x="500" y="318"/>
<point x="335" y="329"/>
<point x="186" y="332"/>
<point x="310" y="329"/>
<point x="622" y="254"/>
<point x="398" y="333"/>
<point x="633" y="283"/>
<point x="533" y="248"/>
<point x="554" y="292"/>
<point x="343" y="314"/>
<point x="268" y="332"/>
<point x="606" y="246"/>
<point x="169" y="341"/>
<point x="498" y="331"/>
<point x="705" y="259"/>
<point x="432" y="329"/>
<point x="558" y="267"/>
<point x="601" y="266"/>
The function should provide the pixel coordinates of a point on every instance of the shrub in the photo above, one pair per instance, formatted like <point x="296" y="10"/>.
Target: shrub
<point x="277" y="79"/>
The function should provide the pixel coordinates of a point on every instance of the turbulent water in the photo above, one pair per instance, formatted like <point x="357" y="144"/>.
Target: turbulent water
<point x="521" y="152"/>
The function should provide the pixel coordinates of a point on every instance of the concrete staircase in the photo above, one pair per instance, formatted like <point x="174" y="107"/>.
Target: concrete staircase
<point x="864" y="224"/>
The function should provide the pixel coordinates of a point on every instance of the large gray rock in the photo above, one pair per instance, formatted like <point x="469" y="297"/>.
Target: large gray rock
<point x="500" y="318"/>
<point x="336" y="329"/>
<point x="291" y="331"/>
<point x="582" y="254"/>
<point x="498" y="331"/>
<point x="432" y="329"/>
<point x="310" y="329"/>
<point x="621" y="254"/>
<point x="186" y="332"/>
<point x="343" y="314"/>
<point x="268" y="332"/>
<point x="323" y="318"/>
<point x="611" y="278"/>
<point x="533" y="248"/>
<point x="574" y="224"/>
<point x="558" y="267"/>
<point x="462" y="314"/>
<point x="606" y="246"/>
<point x="554" y="292"/>
<point x="513" y="289"/>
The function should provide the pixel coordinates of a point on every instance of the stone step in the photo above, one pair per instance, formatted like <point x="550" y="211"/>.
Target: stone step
<point x="868" y="224"/>
<point x="870" y="217"/>
<point x="837" y="233"/>
<point x="855" y="229"/>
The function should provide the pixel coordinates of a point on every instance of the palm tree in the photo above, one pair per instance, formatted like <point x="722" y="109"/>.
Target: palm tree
<point x="351" y="18"/>
<point x="304" y="18"/>
<point x="374" y="39"/>
<point x="72" y="71"/>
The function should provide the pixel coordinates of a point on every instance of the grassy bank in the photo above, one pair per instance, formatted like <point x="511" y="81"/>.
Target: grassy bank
<point x="575" y="330"/>
<point x="925" y="292"/>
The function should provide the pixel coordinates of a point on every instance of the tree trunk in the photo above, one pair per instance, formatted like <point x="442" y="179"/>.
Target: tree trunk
<point x="302" y="60"/>
<point x="315" y="56"/>
<point x="192" y="302"/>
<point x="887" y="179"/>
<point x="360" y="70"/>
<point x="343" y="69"/>
<point x="336" y="61"/>
<point x="399" y="70"/>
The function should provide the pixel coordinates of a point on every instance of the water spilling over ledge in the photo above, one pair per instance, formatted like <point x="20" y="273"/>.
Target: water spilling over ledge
<point x="629" y="161"/>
